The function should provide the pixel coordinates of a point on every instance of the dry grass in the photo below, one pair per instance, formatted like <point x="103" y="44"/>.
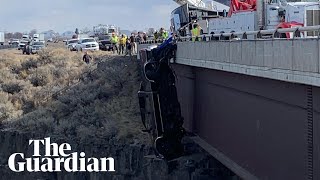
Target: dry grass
<point x="26" y="80"/>
<point x="102" y="106"/>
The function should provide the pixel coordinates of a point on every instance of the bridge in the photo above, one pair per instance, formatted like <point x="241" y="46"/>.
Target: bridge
<point x="253" y="104"/>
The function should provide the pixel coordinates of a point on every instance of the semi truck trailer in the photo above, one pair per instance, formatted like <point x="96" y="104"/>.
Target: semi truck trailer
<point x="2" y="40"/>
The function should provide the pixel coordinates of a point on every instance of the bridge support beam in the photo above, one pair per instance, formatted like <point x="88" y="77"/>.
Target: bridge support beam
<point x="265" y="127"/>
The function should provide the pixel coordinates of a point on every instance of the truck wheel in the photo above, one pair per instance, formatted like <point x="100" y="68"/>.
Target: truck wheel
<point x="169" y="149"/>
<point x="81" y="49"/>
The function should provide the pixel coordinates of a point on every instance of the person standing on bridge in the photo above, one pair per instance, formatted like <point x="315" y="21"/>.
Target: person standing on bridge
<point x="133" y="43"/>
<point x="163" y="34"/>
<point x="156" y="35"/>
<point x="114" y="42"/>
<point x="128" y="48"/>
<point x="196" y="32"/>
<point x="123" y="41"/>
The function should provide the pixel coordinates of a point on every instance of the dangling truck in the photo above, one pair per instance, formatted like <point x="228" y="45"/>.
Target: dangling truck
<point x="252" y="15"/>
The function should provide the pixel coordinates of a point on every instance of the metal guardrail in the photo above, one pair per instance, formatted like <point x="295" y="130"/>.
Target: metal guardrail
<point x="152" y="41"/>
<point x="8" y="46"/>
<point x="272" y="33"/>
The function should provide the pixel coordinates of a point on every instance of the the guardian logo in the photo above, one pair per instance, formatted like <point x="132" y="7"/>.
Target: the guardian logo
<point x="63" y="161"/>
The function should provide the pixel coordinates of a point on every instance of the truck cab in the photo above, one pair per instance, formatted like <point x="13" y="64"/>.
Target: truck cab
<point x="36" y="37"/>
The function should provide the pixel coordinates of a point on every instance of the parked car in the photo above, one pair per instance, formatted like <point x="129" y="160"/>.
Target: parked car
<point x="37" y="46"/>
<point x="71" y="44"/>
<point x="22" y="44"/>
<point x="33" y="47"/>
<point x="105" y="43"/>
<point x="86" y="44"/>
<point x="13" y="41"/>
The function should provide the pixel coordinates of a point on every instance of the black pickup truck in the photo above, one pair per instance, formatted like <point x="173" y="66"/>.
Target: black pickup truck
<point x="105" y="43"/>
<point x="158" y="101"/>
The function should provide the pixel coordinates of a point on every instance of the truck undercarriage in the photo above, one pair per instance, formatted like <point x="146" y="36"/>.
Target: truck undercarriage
<point x="158" y="100"/>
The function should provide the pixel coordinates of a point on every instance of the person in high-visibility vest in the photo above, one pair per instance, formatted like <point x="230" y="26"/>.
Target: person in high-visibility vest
<point x="123" y="41"/>
<point x="196" y="32"/>
<point x="156" y="35"/>
<point x="114" y="42"/>
<point x="163" y="34"/>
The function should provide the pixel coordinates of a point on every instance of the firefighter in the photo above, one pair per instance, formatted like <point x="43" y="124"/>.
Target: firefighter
<point x="196" y="32"/>
<point x="114" y="42"/>
<point x="122" y="45"/>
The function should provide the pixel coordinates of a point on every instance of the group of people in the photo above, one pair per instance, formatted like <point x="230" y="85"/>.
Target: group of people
<point x="127" y="45"/>
<point x="162" y="34"/>
<point x="123" y="45"/>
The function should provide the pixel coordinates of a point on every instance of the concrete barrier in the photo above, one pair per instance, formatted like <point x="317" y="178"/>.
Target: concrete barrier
<point x="294" y="60"/>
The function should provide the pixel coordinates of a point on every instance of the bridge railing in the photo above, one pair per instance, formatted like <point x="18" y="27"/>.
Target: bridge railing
<point x="298" y="33"/>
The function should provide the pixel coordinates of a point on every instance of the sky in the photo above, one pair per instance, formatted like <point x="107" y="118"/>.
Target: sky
<point x="64" y="15"/>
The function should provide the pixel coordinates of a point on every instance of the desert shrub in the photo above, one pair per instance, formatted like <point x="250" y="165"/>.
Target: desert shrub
<point x="45" y="57"/>
<point x="7" y="108"/>
<point x="6" y="76"/>
<point x="39" y="80"/>
<point x="41" y="76"/>
<point x="40" y="121"/>
<point x="28" y="106"/>
<point x="23" y="74"/>
<point x="15" y="69"/>
<point x="12" y="87"/>
<point x="29" y="64"/>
